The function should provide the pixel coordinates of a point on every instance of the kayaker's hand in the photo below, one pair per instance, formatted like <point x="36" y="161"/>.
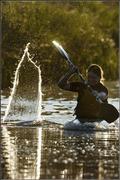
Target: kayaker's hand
<point x="102" y="95"/>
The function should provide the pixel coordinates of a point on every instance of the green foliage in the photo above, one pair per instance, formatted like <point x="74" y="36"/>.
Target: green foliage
<point x="88" y="31"/>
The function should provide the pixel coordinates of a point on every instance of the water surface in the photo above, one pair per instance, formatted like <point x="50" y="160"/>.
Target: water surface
<point x="51" y="152"/>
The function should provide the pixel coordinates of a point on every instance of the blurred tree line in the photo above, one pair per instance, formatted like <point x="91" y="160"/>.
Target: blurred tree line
<point x="87" y="30"/>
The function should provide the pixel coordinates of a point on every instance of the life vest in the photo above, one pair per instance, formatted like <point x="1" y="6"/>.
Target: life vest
<point x="88" y="106"/>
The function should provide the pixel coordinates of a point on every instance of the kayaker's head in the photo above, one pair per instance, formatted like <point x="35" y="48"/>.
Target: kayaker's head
<point x="94" y="74"/>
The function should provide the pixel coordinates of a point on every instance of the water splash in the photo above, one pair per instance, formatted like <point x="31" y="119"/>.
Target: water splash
<point x="39" y="96"/>
<point x="39" y="111"/>
<point x="88" y="126"/>
<point x="16" y="82"/>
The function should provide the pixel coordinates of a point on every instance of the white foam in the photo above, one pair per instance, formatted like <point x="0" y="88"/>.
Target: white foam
<point x="88" y="126"/>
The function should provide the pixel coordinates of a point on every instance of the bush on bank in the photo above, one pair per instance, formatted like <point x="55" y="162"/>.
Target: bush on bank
<point x="88" y="32"/>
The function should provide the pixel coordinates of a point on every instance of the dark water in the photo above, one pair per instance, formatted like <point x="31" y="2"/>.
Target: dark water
<point x="43" y="153"/>
<point x="51" y="152"/>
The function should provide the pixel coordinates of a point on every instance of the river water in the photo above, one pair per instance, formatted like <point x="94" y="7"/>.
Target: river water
<point x="50" y="151"/>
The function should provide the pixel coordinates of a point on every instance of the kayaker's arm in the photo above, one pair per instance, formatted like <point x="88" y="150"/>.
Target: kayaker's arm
<point x="63" y="82"/>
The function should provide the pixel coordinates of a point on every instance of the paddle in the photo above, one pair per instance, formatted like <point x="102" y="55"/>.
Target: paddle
<point x="108" y="111"/>
<point x="70" y="63"/>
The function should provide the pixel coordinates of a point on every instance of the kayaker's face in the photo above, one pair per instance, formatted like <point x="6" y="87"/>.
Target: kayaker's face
<point x="93" y="79"/>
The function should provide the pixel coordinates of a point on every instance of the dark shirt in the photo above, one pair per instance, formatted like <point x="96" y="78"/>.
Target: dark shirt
<point x="87" y="106"/>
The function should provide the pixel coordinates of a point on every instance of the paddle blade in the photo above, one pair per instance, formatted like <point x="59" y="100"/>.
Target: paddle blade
<point x="109" y="112"/>
<point x="62" y="52"/>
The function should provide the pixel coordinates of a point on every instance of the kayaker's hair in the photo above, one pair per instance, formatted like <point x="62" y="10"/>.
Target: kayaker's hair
<point x="95" y="68"/>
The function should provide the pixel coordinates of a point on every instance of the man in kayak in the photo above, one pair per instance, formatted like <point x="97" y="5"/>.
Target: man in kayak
<point x="87" y="102"/>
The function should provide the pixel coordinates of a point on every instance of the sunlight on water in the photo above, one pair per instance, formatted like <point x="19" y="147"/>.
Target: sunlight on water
<point x="13" y="149"/>
<point x="38" y="153"/>
<point x="58" y="111"/>
<point x="90" y="151"/>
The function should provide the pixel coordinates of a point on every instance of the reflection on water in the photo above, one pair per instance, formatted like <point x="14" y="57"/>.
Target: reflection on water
<point x="43" y="153"/>
<point x="50" y="152"/>
<point x="21" y="150"/>
<point x="84" y="156"/>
